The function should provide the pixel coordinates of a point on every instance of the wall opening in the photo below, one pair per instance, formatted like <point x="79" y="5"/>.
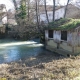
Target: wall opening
<point x="50" y="33"/>
<point x="64" y="35"/>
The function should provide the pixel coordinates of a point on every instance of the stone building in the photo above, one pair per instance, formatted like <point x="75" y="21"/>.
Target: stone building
<point x="63" y="36"/>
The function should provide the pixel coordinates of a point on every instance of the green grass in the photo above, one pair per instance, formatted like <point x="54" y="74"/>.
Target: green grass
<point x="64" y="24"/>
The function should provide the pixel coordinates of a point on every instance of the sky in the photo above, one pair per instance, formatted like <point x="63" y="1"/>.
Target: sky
<point x="10" y="5"/>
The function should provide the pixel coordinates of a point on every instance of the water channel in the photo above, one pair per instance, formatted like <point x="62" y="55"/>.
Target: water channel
<point x="12" y="50"/>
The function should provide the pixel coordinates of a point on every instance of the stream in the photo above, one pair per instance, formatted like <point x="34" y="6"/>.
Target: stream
<point x="12" y="50"/>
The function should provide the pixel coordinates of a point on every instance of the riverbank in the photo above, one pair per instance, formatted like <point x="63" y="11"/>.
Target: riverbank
<point x="45" y="66"/>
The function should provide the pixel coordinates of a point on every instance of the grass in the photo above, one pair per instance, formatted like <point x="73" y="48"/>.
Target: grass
<point x="64" y="24"/>
<point x="46" y="66"/>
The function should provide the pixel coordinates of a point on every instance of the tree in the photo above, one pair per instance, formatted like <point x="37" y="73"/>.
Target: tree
<point x="77" y="3"/>
<point x="15" y="4"/>
<point x="28" y="8"/>
<point x="37" y="15"/>
<point x="53" y="10"/>
<point x="22" y="10"/>
<point x="66" y="8"/>
<point x="46" y="11"/>
<point x="16" y="10"/>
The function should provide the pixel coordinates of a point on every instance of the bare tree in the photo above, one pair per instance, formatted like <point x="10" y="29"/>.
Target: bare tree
<point x="28" y="8"/>
<point x="37" y="14"/>
<point x="16" y="10"/>
<point x="66" y="8"/>
<point x="15" y="4"/>
<point x="78" y="3"/>
<point x="46" y="11"/>
<point x="53" y="10"/>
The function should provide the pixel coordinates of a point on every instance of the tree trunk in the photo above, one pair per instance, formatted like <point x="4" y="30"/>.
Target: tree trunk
<point x="53" y="10"/>
<point x="38" y="12"/>
<point x="15" y="6"/>
<point x="28" y="9"/>
<point x="46" y="11"/>
<point x="66" y="8"/>
<point x="37" y="15"/>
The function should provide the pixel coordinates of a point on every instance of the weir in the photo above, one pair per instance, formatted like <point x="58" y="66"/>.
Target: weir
<point x="11" y="50"/>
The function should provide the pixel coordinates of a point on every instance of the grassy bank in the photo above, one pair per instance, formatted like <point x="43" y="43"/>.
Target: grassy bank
<point x="45" y="66"/>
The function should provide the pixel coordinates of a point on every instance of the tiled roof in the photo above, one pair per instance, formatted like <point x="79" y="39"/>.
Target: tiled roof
<point x="49" y="8"/>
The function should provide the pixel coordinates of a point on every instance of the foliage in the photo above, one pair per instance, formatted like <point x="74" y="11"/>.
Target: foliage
<point x="42" y="38"/>
<point x="22" y="9"/>
<point x="64" y="24"/>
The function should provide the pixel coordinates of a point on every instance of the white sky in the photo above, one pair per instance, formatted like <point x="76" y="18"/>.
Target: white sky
<point x="10" y="5"/>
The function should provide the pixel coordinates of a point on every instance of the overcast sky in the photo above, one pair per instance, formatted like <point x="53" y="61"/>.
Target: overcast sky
<point x="10" y="5"/>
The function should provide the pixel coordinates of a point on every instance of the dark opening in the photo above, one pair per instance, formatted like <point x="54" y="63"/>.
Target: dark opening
<point x="50" y="33"/>
<point x="64" y="35"/>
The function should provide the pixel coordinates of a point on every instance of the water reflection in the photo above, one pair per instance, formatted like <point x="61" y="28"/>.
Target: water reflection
<point x="15" y="50"/>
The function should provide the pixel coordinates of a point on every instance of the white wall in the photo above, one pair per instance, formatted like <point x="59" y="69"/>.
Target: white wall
<point x="4" y="20"/>
<point x="58" y="14"/>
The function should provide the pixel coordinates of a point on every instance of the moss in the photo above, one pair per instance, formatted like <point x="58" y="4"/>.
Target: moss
<point x="64" y="24"/>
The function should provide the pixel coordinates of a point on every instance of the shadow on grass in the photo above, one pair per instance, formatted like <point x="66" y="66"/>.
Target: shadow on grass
<point x="42" y="58"/>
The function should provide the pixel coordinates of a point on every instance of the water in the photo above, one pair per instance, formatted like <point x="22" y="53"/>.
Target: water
<point x="11" y="50"/>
